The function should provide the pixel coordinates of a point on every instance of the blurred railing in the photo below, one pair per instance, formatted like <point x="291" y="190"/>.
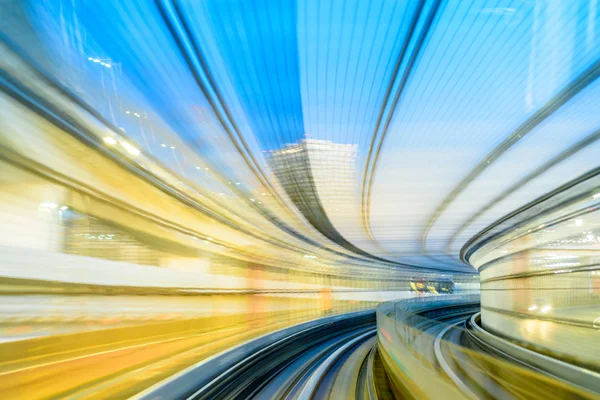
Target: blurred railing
<point x="428" y="353"/>
<point x="540" y="273"/>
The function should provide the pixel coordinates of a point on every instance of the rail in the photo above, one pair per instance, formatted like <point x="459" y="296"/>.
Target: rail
<point x="324" y="358"/>
<point x="428" y="347"/>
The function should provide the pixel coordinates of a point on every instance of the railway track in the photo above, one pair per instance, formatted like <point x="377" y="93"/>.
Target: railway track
<point x="334" y="359"/>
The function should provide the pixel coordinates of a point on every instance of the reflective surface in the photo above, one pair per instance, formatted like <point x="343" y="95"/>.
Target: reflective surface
<point x="228" y="161"/>
<point x="540" y="277"/>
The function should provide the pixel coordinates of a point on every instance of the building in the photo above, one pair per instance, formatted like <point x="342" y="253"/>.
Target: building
<point x="319" y="177"/>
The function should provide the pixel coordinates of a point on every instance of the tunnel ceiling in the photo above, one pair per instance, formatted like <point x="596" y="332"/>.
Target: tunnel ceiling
<point x="389" y="131"/>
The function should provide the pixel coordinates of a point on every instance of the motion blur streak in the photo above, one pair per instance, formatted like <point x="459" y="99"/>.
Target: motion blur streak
<point x="299" y="199"/>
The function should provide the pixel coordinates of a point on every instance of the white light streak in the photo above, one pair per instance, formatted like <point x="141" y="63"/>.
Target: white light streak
<point x="130" y="149"/>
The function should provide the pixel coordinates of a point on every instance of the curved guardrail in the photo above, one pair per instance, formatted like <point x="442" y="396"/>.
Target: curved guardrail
<point x="569" y="373"/>
<point x="540" y="273"/>
<point x="425" y="348"/>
